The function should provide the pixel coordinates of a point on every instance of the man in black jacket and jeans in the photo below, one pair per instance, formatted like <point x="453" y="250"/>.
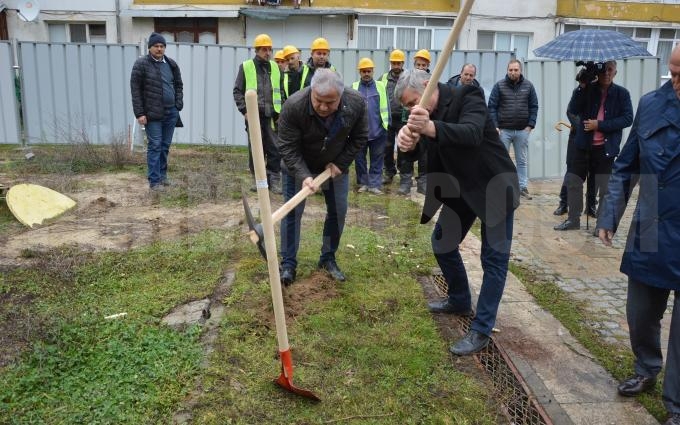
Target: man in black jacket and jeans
<point x="157" y="98"/>
<point x="321" y="127"/>
<point x="470" y="176"/>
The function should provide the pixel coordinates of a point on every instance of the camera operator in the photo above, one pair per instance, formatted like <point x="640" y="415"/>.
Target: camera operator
<point x="605" y="110"/>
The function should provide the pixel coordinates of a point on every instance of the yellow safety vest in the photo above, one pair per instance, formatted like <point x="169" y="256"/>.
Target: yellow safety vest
<point x="251" y="81"/>
<point x="305" y="72"/>
<point x="382" y="93"/>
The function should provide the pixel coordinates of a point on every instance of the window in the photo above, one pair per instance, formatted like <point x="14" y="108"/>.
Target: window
<point x="401" y="32"/>
<point x="188" y="30"/>
<point x="490" y="40"/>
<point x="77" y="32"/>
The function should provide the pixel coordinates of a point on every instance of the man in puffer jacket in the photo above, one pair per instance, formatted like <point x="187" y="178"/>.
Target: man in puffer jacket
<point x="157" y="98"/>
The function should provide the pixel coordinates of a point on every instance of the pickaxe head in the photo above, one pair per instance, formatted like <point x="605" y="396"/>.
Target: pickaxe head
<point x="256" y="232"/>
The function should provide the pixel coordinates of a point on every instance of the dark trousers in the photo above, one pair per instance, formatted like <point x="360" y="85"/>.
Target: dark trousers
<point x="159" y="137"/>
<point x="591" y="161"/>
<point x="591" y="192"/>
<point x="390" y="165"/>
<point x="645" y="308"/>
<point x="271" y="151"/>
<point x="370" y="174"/>
<point x="450" y="229"/>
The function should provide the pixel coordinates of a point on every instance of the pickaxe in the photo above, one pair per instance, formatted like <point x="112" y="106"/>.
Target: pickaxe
<point x="285" y="379"/>
<point x="256" y="234"/>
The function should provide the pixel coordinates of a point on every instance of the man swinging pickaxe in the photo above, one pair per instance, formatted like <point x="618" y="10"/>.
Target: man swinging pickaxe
<point x="256" y="234"/>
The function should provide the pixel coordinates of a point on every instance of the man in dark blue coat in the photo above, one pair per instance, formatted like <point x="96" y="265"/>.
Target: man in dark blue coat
<point x="605" y="110"/>
<point x="157" y="97"/>
<point x="470" y="176"/>
<point x="651" y="258"/>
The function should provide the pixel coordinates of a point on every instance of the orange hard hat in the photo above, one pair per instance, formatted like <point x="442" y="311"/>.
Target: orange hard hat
<point x="289" y="50"/>
<point x="365" y="63"/>
<point x="263" y="40"/>
<point x="397" y="56"/>
<point x="424" y="54"/>
<point x="320" y="44"/>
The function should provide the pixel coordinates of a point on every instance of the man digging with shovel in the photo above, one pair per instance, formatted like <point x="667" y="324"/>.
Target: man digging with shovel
<point x="321" y="127"/>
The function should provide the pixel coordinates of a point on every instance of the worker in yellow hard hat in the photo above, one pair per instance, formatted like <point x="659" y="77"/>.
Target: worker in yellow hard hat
<point x="263" y="75"/>
<point x="321" y="51"/>
<point x="369" y="178"/>
<point x="292" y="79"/>
<point x="397" y="59"/>
<point x="422" y="60"/>
<point x="280" y="60"/>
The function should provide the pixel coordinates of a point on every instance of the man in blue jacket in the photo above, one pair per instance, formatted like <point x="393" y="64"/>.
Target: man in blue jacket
<point x="651" y="260"/>
<point x="605" y="110"/>
<point x="513" y="107"/>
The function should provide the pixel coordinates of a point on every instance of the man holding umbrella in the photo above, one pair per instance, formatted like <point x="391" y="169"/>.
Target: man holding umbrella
<point x="605" y="110"/>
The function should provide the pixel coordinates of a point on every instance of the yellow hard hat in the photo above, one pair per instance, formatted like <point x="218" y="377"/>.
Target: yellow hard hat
<point x="279" y="55"/>
<point x="289" y="50"/>
<point x="424" y="54"/>
<point x="263" y="40"/>
<point x="365" y="63"/>
<point x="320" y="44"/>
<point x="397" y="56"/>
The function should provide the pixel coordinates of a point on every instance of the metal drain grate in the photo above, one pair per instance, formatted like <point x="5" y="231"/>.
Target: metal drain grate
<point x="515" y="397"/>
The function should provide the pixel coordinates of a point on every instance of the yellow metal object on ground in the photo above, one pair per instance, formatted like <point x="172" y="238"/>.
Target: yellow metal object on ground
<point x="33" y="204"/>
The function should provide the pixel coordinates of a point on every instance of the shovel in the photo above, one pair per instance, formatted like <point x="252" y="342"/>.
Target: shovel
<point x="256" y="235"/>
<point x="285" y="380"/>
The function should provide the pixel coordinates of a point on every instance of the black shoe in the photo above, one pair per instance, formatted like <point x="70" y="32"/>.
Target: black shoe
<point x="524" y="193"/>
<point x="635" y="385"/>
<point x="568" y="225"/>
<point x="444" y="306"/>
<point x="332" y="268"/>
<point x="287" y="276"/>
<point x="387" y="179"/>
<point x="561" y="210"/>
<point x="674" y="419"/>
<point x="591" y="211"/>
<point x="471" y="343"/>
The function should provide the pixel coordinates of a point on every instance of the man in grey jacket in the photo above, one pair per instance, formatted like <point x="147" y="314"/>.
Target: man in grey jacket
<point x="322" y="126"/>
<point x="157" y="97"/>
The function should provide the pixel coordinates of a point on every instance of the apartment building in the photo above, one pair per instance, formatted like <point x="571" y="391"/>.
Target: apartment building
<point x="520" y="25"/>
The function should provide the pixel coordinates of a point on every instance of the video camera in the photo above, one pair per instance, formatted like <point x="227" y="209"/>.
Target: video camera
<point x="589" y="71"/>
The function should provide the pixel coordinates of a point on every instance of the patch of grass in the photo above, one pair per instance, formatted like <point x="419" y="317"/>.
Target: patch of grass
<point x="574" y="315"/>
<point x="372" y="352"/>
<point x="119" y="371"/>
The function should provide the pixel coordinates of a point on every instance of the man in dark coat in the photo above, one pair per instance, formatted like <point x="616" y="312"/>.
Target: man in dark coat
<point x="604" y="109"/>
<point x="157" y="98"/>
<point x="651" y="260"/>
<point x="470" y="176"/>
<point x="321" y="127"/>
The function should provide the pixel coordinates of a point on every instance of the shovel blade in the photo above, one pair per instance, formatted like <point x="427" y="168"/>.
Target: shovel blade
<point x="288" y="385"/>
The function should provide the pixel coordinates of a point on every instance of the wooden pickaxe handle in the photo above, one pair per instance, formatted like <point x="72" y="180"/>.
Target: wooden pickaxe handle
<point x="293" y="202"/>
<point x="561" y="123"/>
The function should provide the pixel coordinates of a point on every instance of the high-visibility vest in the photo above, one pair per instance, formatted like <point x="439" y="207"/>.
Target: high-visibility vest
<point x="384" y="101"/>
<point x="305" y="72"/>
<point x="285" y="84"/>
<point x="251" y="81"/>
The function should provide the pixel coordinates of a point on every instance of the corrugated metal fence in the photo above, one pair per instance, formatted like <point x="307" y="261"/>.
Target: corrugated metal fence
<point x="72" y="92"/>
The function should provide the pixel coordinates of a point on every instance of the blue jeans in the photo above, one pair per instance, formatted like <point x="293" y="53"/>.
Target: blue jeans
<point x="159" y="136"/>
<point x="373" y="176"/>
<point x="450" y="229"/>
<point x="335" y="192"/>
<point x="519" y="139"/>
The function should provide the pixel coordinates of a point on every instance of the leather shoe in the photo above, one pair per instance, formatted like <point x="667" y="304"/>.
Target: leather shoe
<point x="561" y="210"/>
<point x="591" y="211"/>
<point x="471" y="343"/>
<point x="444" y="306"/>
<point x="332" y="268"/>
<point x="568" y="225"/>
<point x="287" y="276"/>
<point x="635" y="385"/>
<point x="674" y="419"/>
